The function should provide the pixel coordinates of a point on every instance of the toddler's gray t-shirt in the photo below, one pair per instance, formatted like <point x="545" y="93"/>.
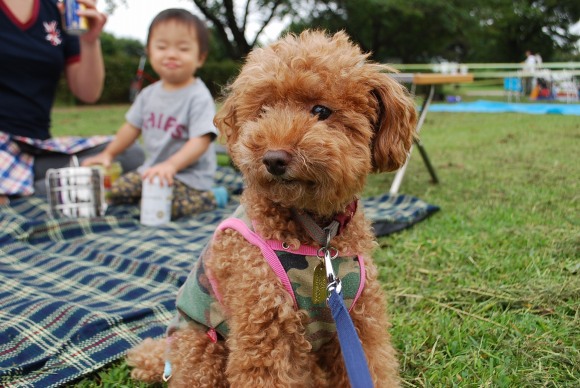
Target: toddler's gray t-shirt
<point x="168" y="119"/>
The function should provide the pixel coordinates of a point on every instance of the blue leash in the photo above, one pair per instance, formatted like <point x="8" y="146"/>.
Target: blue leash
<point x="352" y="351"/>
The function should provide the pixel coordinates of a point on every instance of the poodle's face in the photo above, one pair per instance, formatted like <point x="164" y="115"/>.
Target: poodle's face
<point x="308" y="118"/>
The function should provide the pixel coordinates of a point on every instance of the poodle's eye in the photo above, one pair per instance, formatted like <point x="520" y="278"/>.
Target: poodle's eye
<point x="321" y="111"/>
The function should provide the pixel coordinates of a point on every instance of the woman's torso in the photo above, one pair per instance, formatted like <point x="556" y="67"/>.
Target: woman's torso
<point x="34" y="54"/>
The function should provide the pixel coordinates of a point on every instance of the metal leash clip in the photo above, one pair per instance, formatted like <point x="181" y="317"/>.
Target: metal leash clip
<point x="333" y="282"/>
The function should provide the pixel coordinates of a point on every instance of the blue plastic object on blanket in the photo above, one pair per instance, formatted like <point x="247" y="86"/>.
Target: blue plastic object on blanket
<point x="221" y="196"/>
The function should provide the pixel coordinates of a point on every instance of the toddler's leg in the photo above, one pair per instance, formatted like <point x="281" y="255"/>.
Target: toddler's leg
<point x="127" y="188"/>
<point x="188" y="201"/>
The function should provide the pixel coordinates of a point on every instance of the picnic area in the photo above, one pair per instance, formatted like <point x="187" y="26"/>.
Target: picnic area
<point x="486" y="290"/>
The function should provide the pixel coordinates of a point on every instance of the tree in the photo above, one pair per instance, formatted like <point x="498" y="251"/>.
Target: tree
<point x="464" y="31"/>
<point x="396" y="30"/>
<point x="230" y="21"/>
<point x="508" y="28"/>
<point x="237" y="25"/>
<point x="458" y="30"/>
<point x="112" y="4"/>
<point x="112" y="46"/>
<point x="404" y="30"/>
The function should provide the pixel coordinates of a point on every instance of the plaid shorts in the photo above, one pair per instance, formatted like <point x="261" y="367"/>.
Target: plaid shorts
<point x="186" y="200"/>
<point x="17" y="158"/>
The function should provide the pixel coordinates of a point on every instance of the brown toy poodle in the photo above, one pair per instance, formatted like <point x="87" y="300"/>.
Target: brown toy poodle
<point x="306" y="120"/>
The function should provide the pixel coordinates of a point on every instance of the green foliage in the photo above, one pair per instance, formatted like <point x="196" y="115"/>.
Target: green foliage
<point x="218" y="51"/>
<point x="393" y="31"/>
<point x="402" y="31"/>
<point x="486" y="292"/>
<point x="217" y="75"/>
<point x="120" y="72"/>
<point x="117" y="376"/>
<point x="112" y="46"/>
<point x="419" y="31"/>
<point x="506" y="29"/>
<point x="409" y="31"/>
<point x="121" y="57"/>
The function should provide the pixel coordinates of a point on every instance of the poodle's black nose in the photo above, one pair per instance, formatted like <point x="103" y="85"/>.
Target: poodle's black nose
<point x="277" y="161"/>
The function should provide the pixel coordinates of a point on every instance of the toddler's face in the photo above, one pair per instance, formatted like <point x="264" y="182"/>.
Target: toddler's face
<point x="174" y="53"/>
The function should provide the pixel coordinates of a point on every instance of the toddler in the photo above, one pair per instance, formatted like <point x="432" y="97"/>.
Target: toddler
<point x="174" y="116"/>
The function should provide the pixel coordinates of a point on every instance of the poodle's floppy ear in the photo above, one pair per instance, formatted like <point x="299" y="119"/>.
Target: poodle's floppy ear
<point x="395" y="124"/>
<point x="225" y="121"/>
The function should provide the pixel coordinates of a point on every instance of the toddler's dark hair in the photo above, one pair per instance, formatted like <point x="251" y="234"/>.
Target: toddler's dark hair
<point x="183" y="16"/>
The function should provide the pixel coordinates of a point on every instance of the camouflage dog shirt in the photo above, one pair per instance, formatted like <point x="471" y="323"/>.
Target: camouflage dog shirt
<point x="198" y="302"/>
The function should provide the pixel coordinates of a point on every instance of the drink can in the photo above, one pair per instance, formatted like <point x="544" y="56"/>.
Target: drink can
<point x="73" y="23"/>
<point x="156" y="202"/>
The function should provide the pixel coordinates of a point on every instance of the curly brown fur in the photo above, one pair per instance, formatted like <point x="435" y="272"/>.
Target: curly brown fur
<point x="293" y="155"/>
<point x="149" y="358"/>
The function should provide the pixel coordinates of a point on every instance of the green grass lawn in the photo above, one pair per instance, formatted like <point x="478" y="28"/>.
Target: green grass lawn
<point x="487" y="291"/>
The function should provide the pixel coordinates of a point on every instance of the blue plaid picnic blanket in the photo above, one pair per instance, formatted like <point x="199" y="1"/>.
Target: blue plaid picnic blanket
<point x="78" y="293"/>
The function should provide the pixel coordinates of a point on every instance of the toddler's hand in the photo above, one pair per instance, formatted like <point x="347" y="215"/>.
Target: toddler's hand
<point x="165" y="171"/>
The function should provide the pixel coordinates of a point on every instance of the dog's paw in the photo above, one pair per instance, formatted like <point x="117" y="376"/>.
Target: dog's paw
<point x="147" y="360"/>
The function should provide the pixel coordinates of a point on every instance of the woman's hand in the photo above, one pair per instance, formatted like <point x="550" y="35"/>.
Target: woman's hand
<point x="86" y="77"/>
<point x="102" y="158"/>
<point x="95" y="19"/>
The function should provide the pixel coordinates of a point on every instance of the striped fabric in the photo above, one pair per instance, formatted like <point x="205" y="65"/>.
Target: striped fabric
<point x="77" y="294"/>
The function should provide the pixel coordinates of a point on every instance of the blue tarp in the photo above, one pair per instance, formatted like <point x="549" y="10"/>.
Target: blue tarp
<point x="483" y="106"/>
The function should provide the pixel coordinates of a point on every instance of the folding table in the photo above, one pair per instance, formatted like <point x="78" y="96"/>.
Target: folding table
<point x="430" y="80"/>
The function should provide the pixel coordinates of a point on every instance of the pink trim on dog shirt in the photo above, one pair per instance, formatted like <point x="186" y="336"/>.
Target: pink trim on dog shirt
<point x="270" y="256"/>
